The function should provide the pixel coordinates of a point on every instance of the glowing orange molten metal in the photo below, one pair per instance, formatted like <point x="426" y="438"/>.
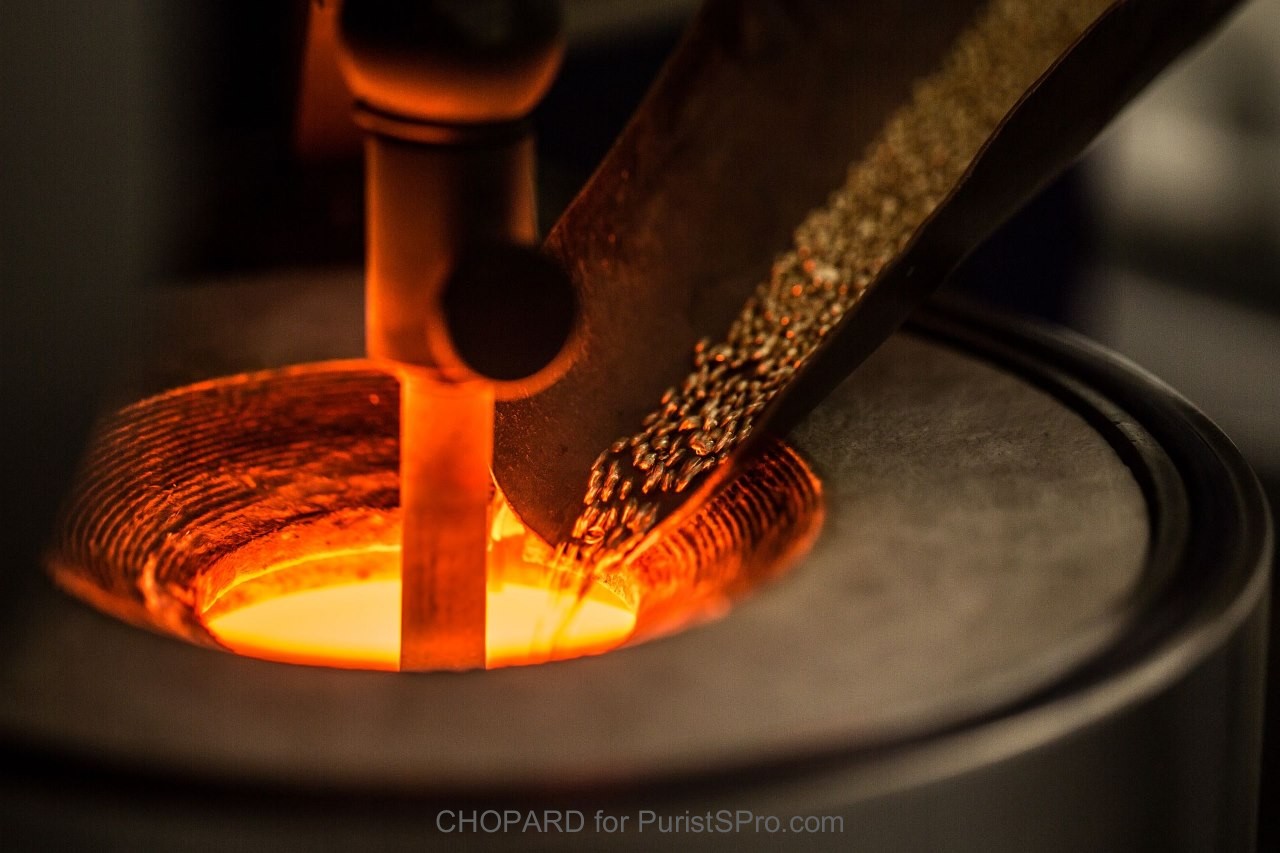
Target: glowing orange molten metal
<point x="260" y="512"/>
<point x="358" y="625"/>
<point x="341" y="607"/>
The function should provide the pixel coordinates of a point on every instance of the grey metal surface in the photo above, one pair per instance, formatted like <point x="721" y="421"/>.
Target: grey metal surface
<point x="1052" y="525"/>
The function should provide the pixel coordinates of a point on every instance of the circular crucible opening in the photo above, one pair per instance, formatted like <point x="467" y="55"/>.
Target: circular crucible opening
<point x="259" y="514"/>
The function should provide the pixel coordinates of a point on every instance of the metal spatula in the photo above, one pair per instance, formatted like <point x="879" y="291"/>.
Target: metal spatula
<point x="931" y="121"/>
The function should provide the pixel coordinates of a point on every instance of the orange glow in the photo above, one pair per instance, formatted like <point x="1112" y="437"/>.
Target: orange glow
<point x="283" y="541"/>
<point x="323" y="129"/>
<point x="357" y="623"/>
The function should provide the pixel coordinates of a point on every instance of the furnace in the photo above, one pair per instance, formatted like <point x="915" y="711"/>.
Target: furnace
<point x="604" y="539"/>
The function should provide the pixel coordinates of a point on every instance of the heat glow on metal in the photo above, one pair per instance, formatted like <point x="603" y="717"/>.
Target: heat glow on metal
<point x="259" y="514"/>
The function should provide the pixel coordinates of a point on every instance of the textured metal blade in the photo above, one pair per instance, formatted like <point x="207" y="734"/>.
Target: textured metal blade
<point x="755" y="121"/>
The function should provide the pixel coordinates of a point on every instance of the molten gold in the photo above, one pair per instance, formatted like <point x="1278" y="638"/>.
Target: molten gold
<point x="202" y="509"/>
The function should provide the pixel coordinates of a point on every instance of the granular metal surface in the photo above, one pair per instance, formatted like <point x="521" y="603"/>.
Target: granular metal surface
<point x="838" y="252"/>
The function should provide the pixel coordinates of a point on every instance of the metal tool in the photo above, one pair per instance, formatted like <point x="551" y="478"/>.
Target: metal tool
<point x="455" y="305"/>
<point x="753" y="121"/>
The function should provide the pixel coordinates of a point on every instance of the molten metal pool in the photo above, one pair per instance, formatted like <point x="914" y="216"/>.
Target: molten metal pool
<point x="357" y="623"/>
<point x="259" y="514"/>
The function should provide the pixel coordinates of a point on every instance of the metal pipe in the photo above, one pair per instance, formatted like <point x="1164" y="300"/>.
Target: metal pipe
<point x="441" y="91"/>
